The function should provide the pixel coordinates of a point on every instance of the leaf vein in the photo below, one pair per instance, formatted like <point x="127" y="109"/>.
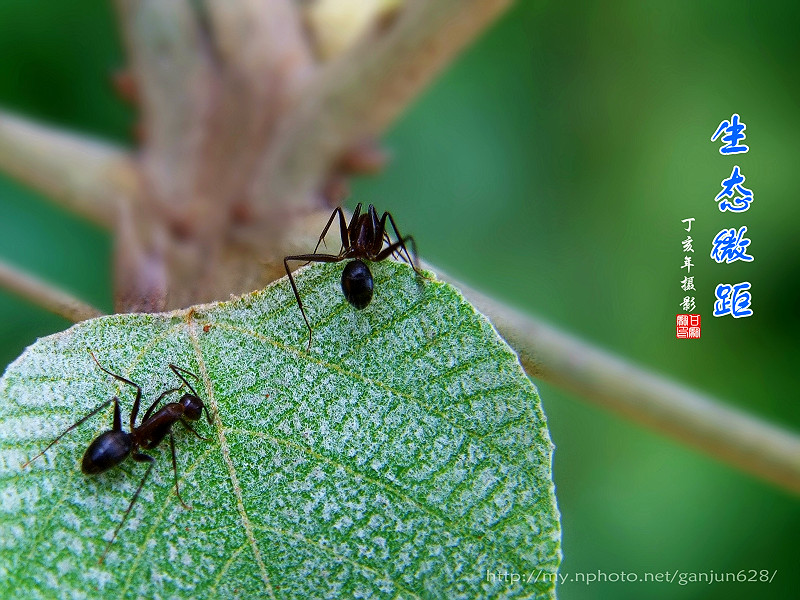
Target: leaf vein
<point x="498" y="452"/>
<point x="229" y="462"/>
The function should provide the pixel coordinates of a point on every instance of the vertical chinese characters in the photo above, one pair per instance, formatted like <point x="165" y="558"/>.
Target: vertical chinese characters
<point x="687" y="247"/>
<point x="687" y="326"/>
<point x="733" y="300"/>
<point x="732" y="133"/>
<point x="735" y="197"/>
<point x="730" y="245"/>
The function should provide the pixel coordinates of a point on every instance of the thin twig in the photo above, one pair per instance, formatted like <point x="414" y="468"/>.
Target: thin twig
<point x="743" y="441"/>
<point x="361" y="92"/>
<point x="72" y="170"/>
<point x="45" y="295"/>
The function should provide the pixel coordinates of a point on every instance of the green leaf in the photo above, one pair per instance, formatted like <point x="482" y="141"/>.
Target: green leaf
<point x="405" y="456"/>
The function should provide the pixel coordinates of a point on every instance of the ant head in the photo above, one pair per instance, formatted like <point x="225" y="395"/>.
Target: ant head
<point x="357" y="284"/>
<point x="106" y="451"/>
<point x="192" y="406"/>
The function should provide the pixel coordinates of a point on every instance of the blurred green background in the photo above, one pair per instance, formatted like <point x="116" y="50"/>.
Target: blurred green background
<point x="550" y="166"/>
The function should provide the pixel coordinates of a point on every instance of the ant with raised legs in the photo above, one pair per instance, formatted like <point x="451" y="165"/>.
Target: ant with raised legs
<point x="112" y="447"/>
<point x="363" y="239"/>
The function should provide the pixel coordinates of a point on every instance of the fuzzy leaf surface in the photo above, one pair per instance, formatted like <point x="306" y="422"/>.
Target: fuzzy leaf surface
<point x="405" y="455"/>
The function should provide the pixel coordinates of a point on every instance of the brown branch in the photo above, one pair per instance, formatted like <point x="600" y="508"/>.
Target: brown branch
<point x="262" y="41"/>
<point x="261" y="55"/>
<point x="360" y="93"/>
<point x="45" y="295"/>
<point x="171" y="66"/>
<point x="231" y="95"/>
<point x="213" y="79"/>
<point x="73" y="171"/>
<point x="732" y="436"/>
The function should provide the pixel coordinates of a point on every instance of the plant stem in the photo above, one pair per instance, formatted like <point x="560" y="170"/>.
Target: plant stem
<point x="750" y="444"/>
<point x="79" y="173"/>
<point x="45" y="295"/>
<point x="360" y="93"/>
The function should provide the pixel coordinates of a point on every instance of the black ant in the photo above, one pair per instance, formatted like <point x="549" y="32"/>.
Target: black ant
<point x="112" y="447"/>
<point x="364" y="239"/>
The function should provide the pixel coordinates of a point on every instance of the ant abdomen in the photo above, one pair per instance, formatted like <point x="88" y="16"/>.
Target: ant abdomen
<point x="357" y="284"/>
<point x="363" y="238"/>
<point x="106" y="451"/>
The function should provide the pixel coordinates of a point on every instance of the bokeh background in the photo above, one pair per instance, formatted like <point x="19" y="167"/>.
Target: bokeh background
<point x="550" y="166"/>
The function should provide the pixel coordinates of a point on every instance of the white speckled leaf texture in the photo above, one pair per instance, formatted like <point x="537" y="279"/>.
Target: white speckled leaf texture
<point x="405" y="455"/>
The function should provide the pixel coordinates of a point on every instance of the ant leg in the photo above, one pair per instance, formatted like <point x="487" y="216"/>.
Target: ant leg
<point x="117" y="421"/>
<point x="342" y="229"/>
<point x="136" y="402"/>
<point x="375" y="223"/>
<point x="326" y="258"/>
<point x="117" y="426"/>
<point x="415" y="263"/>
<point x="139" y="458"/>
<point x="397" y="254"/>
<point x="190" y="428"/>
<point x="150" y="410"/>
<point x="175" y="470"/>
<point x="399" y="245"/>
<point x="354" y="218"/>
